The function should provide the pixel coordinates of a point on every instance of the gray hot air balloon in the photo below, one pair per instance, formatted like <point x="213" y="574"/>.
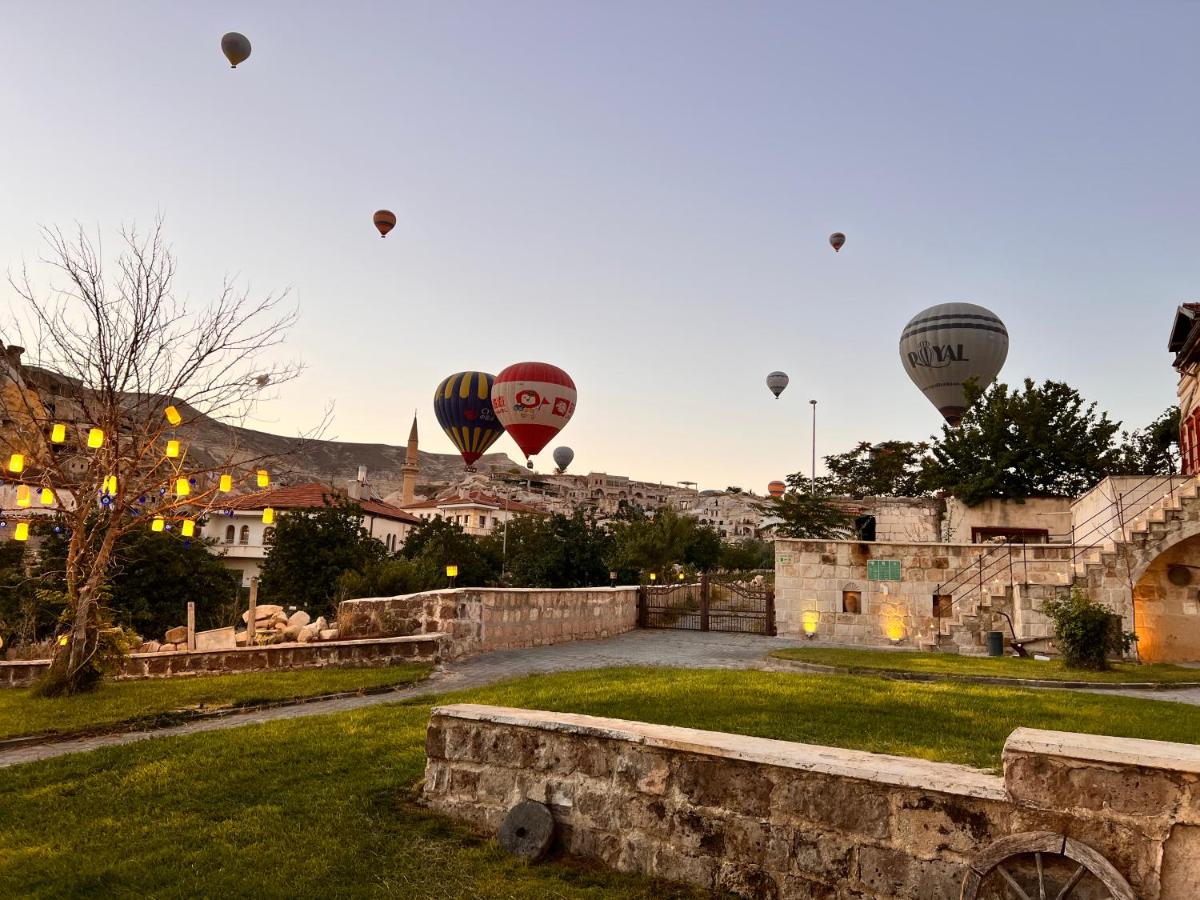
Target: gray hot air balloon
<point x="236" y="48"/>
<point x="563" y="457"/>
<point x="777" y="381"/>
<point x="944" y="346"/>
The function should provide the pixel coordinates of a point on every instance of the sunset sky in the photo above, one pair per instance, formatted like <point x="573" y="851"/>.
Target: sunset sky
<point x="640" y="193"/>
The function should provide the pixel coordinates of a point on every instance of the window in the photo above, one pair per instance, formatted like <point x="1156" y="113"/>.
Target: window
<point x="1010" y="535"/>
<point x="483" y="521"/>
<point x="268" y="536"/>
<point x="230" y="532"/>
<point x="244" y="537"/>
<point x="852" y="602"/>
<point x="943" y="605"/>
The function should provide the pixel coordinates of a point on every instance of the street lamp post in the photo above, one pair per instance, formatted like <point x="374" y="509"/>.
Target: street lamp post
<point x="812" y="485"/>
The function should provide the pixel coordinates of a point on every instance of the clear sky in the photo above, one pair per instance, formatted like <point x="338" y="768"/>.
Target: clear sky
<point x="641" y="193"/>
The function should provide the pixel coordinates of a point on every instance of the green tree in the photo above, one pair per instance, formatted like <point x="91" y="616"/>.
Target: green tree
<point x="1043" y="441"/>
<point x="16" y="590"/>
<point x="390" y="577"/>
<point x="1153" y="450"/>
<point x="656" y="543"/>
<point x="747" y="555"/>
<point x="558" y="551"/>
<point x="886" y="469"/>
<point x="805" y="515"/>
<point x="311" y="550"/>
<point x="437" y="543"/>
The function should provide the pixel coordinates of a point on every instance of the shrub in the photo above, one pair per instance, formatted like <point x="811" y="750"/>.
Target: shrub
<point x="1084" y="630"/>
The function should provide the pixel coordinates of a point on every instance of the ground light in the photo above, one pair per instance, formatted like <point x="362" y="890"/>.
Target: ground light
<point x="895" y="631"/>
<point x="612" y="579"/>
<point x="809" y="621"/>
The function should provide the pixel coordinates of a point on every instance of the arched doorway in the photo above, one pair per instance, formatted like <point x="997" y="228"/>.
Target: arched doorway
<point x="1166" y="599"/>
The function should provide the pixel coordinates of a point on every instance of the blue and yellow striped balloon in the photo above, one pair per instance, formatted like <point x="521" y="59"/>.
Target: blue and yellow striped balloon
<point x="463" y="406"/>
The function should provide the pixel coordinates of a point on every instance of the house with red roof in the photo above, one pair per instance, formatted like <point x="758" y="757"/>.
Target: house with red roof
<point x="477" y="512"/>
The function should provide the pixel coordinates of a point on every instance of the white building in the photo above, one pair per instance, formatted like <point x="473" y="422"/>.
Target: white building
<point x="477" y="512"/>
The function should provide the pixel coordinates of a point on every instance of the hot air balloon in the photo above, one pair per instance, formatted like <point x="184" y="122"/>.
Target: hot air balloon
<point x="463" y="406"/>
<point x="776" y="488"/>
<point x="777" y="381"/>
<point x="836" y="240"/>
<point x="944" y="346"/>
<point x="385" y="221"/>
<point x="563" y="457"/>
<point x="533" y="401"/>
<point x="236" y="48"/>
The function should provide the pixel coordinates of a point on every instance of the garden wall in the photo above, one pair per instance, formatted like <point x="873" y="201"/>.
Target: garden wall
<point x="767" y="818"/>
<point x="377" y="652"/>
<point x="477" y="620"/>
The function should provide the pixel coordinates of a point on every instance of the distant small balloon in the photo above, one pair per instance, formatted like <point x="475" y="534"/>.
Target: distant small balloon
<point x="777" y="381"/>
<point x="836" y="240"/>
<point x="385" y="221"/>
<point x="563" y="457"/>
<point x="776" y="488"/>
<point x="236" y="48"/>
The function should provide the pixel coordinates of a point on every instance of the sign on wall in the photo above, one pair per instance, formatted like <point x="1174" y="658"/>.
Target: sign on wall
<point x="883" y="570"/>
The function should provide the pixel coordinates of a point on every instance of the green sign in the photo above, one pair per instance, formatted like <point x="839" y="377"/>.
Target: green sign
<point x="883" y="570"/>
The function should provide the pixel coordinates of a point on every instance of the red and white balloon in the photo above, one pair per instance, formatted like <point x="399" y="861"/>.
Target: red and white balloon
<point x="533" y="401"/>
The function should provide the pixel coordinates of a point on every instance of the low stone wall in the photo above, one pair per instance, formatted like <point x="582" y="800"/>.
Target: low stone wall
<point x="774" y="819"/>
<point x="477" y="620"/>
<point x="377" y="652"/>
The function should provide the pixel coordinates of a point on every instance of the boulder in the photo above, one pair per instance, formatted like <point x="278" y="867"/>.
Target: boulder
<point x="166" y="648"/>
<point x="149" y="647"/>
<point x="240" y="638"/>
<point x="291" y="632"/>
<point x="177" y="635"/>
<point x="307" y="633"/>
<point x="264" y="611"/>
<point x="276" y="638"/>
<point x="321" y="624"/>
<point x="328" y="634"/>
<point x="278" y="626"/>
<point x="300" y="617"/>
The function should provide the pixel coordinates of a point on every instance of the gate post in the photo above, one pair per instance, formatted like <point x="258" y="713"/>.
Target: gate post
<point x="704" y="592"/>
<point x="771" y="612"/>
<point x="641" y="606"/>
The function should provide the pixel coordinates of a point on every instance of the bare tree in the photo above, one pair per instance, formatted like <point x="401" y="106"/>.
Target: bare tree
<point x="96" y="423"/>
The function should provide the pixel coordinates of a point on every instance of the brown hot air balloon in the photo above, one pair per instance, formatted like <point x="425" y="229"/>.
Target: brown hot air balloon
<point x="236" y="48"/>
<point x="836" y="240"/>
<point x="385" y="221"/>
<point x="776" y="488"/>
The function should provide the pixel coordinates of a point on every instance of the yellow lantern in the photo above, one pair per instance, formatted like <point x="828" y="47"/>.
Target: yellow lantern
<point x="62" y="641"/>
<point x="172" y="448"/>
<point x="110" y="485"/>
<point x="173" y="415"/>
<point x="16" y="463"/>
<point x="268" y="516"/>
<point x="24" y="495"/>
<point x="22" y="532"/>
<point x="226" y="483"/>
<point x="189" y="527"/>
<point x="158" y="524"/>
<point x="47" y="496"/>
<point x="96" y="438"/>
<point x="264" y="479"/>
<point x="451" y="571"/>
<point x="58" y="433"/>
<point x="182" y="487"/>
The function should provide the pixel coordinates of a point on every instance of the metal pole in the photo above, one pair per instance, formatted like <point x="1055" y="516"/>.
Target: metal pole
<point x="504" y="543"/>
<point x="812" y="485"/>
<point x="252" y="614"/>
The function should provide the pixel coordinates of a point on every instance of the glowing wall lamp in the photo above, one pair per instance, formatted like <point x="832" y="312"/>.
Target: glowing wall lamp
<point x="809" y="622"/>
<point x="894" y="629"/>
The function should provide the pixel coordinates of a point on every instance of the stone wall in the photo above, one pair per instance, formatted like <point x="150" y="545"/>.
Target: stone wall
<point x="813" y="578"/>
<point x="773" y="819"/>
<point x="1052" y="514"/>
<point x="377" y="652"/>
<point x="477" y="620"/>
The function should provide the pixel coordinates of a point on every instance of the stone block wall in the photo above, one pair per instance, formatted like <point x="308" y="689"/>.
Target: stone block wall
<point x="812" y="577"/>
<point x="477" y="620"/>
<point x="376" y="652"/>
<point x="774" y="819"/>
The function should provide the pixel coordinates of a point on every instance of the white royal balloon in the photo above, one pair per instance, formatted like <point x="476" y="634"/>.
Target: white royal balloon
<point x="942" y="347"/>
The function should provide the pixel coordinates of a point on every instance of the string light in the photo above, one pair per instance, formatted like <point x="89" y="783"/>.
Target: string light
<point x="24" y="495"/>
<point x="58" y="433"/>
<point x="95" y="438"/>
<point x="264" y="479"/>
<point x="16" y="463"/>
<point x="189" y="527"/>
<point x="158" y="524"/>
<point x="268" y="516"/>
<point x="172" y="415"/>
<point x="182" y="487"/>
<point x="172" y="448"/>
<point x="226" y="484"/>
<point x="47" y="496"/>
<point x="21" y="533"/>
<point x="110" y="486"/>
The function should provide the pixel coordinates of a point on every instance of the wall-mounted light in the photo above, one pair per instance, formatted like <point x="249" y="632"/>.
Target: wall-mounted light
<point x="894" y="629"/>
<point x="809" y="621"/>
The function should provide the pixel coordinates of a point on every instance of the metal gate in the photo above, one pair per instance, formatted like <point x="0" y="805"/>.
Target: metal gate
<point x="707" y="605"/>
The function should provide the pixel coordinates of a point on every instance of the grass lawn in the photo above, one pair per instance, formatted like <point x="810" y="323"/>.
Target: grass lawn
<point x="122" y="701"/>
<point x="987" y="666"/>
<point x="315" y="806"/>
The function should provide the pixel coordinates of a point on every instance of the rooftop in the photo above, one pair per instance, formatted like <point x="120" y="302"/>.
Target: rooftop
<point x="313" y="495"/>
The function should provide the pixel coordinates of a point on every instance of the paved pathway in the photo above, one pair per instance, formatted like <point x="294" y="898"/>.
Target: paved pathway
<point x="684" y="649"/>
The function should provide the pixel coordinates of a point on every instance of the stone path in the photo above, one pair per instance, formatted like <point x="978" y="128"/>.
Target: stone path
<point x="683" y="649"/>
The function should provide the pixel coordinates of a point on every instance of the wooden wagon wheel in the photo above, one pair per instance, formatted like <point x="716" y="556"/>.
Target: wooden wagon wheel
<point x="1043" y="865"/>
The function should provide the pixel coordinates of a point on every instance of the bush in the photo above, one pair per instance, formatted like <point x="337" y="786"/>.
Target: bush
<point x="389" y="578"/>
<point x="1084" y="630"/>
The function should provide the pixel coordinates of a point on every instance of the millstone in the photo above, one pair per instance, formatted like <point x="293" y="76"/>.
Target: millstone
<point x="527" y="830"/>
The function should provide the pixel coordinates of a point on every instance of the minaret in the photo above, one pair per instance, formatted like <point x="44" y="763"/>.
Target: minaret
<point x="410" y="467"/>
